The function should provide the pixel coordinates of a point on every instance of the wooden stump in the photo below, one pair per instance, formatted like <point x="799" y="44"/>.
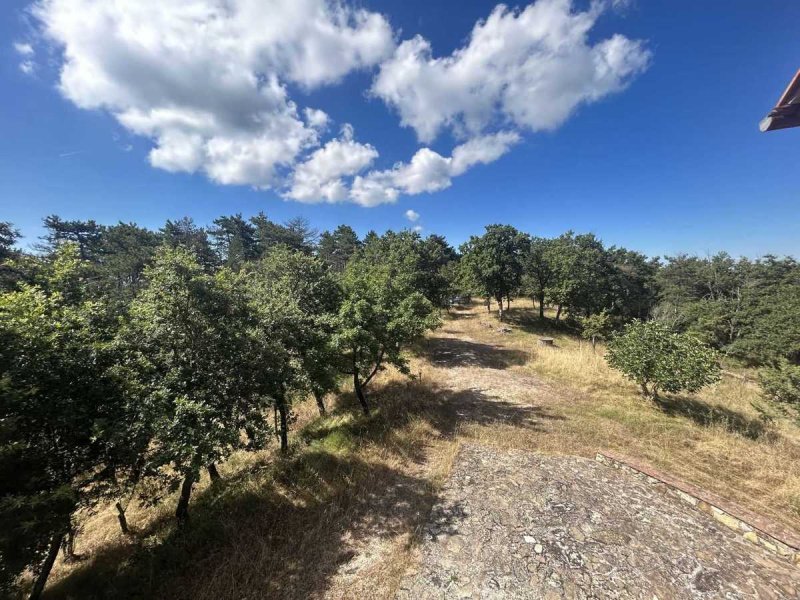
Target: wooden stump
<point x="546" y="342"/>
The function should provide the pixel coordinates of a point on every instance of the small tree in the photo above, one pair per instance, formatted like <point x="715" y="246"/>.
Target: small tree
<point x="60" y="412"/>
<point x="595" y="327"/>
<point x="494" y="262"/>
<point x="199" y="367"/>
<point x="781" y="382"/>
<point x="379" y="317"/>
<point x="658" y="359"/>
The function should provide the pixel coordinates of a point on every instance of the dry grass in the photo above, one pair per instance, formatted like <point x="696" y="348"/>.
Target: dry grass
<point x="339" y="516"/>
<point x="717" y="439"/>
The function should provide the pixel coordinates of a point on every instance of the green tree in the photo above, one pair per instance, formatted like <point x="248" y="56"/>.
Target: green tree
<point x="200" y="368"/>
<point x="60" y="413"/>
<point x="338" y="246"/>
<point x="234" y="240"/>
<point x="85" y="234"/>
<point x="540" y="270"/>
<point x="380" y="315"/>
<point x="125" y="250"/>
<point x="780" y="382"/>
<point x="595" y="327"/>
<point x="184" y="233"/>
<point x="298" y="301"/>
<point x="658" y="359"/>
<point x="494" y="261"/>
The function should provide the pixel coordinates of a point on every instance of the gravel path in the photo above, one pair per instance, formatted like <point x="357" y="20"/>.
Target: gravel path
<point x="523" y="525"/>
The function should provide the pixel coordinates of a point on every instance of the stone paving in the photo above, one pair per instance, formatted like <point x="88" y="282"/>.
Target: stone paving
<point x="523" y="525"/>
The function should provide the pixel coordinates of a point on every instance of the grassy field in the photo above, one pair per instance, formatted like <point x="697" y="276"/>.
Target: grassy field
<point x="340" y="515"/>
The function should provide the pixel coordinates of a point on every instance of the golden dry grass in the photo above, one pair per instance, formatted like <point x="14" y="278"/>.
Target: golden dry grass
<point x="339" y="516"/>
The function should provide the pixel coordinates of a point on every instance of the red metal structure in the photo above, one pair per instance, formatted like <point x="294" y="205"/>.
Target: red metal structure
<point x="787" y="111"/>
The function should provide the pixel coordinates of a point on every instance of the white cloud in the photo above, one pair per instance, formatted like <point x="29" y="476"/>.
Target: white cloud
<point x="412" y="215"/>
<point x="320" y="177"/>
<point x="206" y="80"/>
<point x="429" y="171"/>
<point x="23" y="48"/>
<point x="418" y="228"/>
<point x="26" y="51"/>
<point x="208" y="83"/>
<point x="532" y="68"/>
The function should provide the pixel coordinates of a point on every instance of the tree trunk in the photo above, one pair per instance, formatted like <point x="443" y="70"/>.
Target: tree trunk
<point x="558" y="313"/>
<point x="213" y="473"/>
<point x="320" y="398"/>
<point x="508" y="302"/>
<point x="594" y="343"/>
<point x="500" y="308"/>
<point x="284" y="431"/>
<point x="541" y="305"/>
<point x="488" y="305"/>
<point x="182" y="511"/>
<point x="47" y="566"/>
<point x="362" y="400"/>
<point x="123" y="520"/>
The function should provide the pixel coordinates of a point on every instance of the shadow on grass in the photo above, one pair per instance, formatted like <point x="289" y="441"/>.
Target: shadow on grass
<point x="453" y="352"/>
<point x="275" y="534"/>
<point x="710" y="415"/>
<point x="283" y="528"/>
<point x="528" y="320"/>
<point x="399" y="403"/>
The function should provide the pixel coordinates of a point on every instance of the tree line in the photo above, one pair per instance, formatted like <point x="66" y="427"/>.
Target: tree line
<point x="132" y="360"/>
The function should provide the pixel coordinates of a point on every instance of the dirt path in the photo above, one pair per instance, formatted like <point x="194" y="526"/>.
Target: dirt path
<point x="512" y="524"/>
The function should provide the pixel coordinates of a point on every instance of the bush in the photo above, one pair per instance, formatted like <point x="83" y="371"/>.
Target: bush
<point x="659" y="359"/>
<point x="781" y="382"/>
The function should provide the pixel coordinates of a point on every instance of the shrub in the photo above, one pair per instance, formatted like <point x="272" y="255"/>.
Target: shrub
<point x="781" y="382"/>
<point x="658" y="359"/>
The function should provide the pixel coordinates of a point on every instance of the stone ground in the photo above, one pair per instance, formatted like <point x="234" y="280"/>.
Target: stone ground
<point x="523" y="525"/>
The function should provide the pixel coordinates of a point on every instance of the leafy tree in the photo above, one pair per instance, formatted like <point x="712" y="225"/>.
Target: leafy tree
<point x="234" y="240"/>
<point x="298" y="301"/>
<point x="781" y="382"/>
<point x="595" y="327"/>
<point x="186" y="234"/>
<point x="60" y="413"/>
<point x="380" y="315"/>
<point x="125" y="250"/>
<point x="632" y="283"/>
<point x="658" y="359"/>
<point x="296" y="234"/>
<point x="494" y="261"/>
<point x="540" y="269"/>
<point x="337" y="247"/>
<point x="200" y="368"/>
<point x="8" y="237"/>
<point x="86" y="234"/>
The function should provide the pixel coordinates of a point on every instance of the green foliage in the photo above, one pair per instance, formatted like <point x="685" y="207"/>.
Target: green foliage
<point x="337" y="247"/>
<point x="658" y="359"/>
<point x="60" y="410"/>
<point x="197" y="368"/>
<point x="595" y="327"/>
<point x="781" y="382"/>
<point x="381" y="314"/>
<point x="493" y="262"/>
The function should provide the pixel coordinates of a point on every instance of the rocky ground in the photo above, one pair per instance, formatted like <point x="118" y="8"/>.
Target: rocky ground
<point x="522" y="525"/>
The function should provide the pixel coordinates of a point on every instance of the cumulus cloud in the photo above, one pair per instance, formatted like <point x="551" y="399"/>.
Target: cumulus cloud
<point x="412" y="215"/>
<point x="531" y="68"/>
<point x="206" y="80"/>
<point x="320" y="177"/>
<point x="208" y="83"/>
<point x="26" y="51"/>
<point x="429" y="171"/>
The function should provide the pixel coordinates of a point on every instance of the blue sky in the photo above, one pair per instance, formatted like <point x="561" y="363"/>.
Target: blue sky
<point x="667" y="157"/>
